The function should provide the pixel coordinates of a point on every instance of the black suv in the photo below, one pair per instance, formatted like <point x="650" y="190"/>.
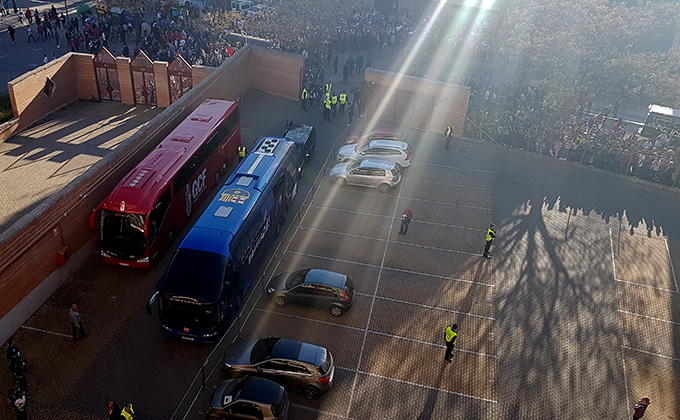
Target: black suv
<point x="313" y="287"/>
<point x="304" y="137"/>
<point x="295" y="365"/>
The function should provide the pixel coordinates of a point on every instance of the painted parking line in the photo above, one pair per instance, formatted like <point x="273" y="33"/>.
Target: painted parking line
<point x="625" y="381"/>
<point x="434" y="165"/>
<point x="327" y="413"/>
<point x="447" y="184"/>
<point x="663" y="356"/>
<point x="670" y="261"/>
<point x="488" y="318"/>
<point x="460" y="394"/>
<point x="25" y="327"/>
<point x="660" y="289"/>
<point x="361" y="213"/>
<point x="415" y="273"/>
<point x="463" y="206"/>
<point x="649" y="317"/>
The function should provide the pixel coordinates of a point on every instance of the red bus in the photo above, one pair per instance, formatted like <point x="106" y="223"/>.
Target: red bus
<point x="142" y="215"/>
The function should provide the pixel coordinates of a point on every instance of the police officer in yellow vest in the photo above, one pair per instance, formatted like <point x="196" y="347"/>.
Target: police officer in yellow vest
<point x="127" y="413"/>
<point x="241" y="152"/>
<point x="329" y="86"/>
<point x="451" y="335"/>
<point x="327" y="109"/>
<point x="490" y="234"/>
<point x="343" y="101"/>
<point x="303" y="99"/>
<point x="334" y="103"/>
<point x="449" y="134"/>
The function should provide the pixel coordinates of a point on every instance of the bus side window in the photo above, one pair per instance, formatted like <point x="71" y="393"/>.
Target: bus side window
<point x="157" y="215"/>
<point x="278" y="191"/>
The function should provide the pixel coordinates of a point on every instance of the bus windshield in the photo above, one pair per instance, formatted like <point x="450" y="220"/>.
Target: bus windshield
<point x="186" y="313"/>
<point x="123" y="234"/>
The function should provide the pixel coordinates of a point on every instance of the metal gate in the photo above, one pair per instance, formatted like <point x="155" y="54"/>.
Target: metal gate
<point x="179" y="75"/>
<point x="106" y="73"/>
<point x="143" y="82"/>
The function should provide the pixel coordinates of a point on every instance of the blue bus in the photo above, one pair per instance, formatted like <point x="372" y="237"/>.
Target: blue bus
<point x="210" y="275"/>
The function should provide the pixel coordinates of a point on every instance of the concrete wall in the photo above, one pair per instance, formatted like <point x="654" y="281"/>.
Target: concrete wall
<point x="414" y="102"/>
<point x="29" y="272"/>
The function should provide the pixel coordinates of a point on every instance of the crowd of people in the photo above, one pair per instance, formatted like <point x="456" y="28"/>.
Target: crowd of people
<point x="523" y="118"/>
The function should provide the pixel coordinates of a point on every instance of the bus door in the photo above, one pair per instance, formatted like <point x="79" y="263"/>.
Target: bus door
<point x="232" y="294"/>
<point x="157" y="217"/>
<point x="281" y="201"/>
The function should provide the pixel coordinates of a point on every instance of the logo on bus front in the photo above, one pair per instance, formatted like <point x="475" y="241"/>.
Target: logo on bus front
<point x="194" y="190"/>
<point x="234" y="195"/>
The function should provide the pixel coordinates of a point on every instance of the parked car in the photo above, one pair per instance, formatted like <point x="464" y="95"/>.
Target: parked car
<point x="295" y="365"/>
<point x="387" y="150"/>
<point x="378" y="133"/>
<point x="367" y="173"/>
<point x="304" y="137"/>
<point x="249" y="398"/>
<point x="313" y="287"/>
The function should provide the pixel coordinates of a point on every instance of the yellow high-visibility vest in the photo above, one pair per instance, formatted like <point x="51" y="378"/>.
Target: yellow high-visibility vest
<point x="242" y="151"/>
<point x="328" y="87"/>
<point x="334" y="99"/>
<point x="343" y="98"/>
<point x="451" y="335"/>
<point x="304" y="94"/>
<point x="125" y="414"/>
<point x="489" y="238"/>
<point x="327" y="103"/>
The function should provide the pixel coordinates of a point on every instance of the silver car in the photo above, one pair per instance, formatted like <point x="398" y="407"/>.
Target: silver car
<point x="367" y="173"/>
<point x="386" y="150"/>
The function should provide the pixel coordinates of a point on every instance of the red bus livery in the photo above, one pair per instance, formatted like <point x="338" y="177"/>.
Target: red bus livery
<point x="141" y="216"/>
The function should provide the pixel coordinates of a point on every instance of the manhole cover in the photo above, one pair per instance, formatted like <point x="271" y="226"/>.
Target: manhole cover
<point x="463" y="152"/>
<point x="513" y="181"/>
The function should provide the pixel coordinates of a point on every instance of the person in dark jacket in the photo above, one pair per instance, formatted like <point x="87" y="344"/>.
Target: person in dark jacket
<point x="640" y="408"/>
<point x="406" y="217"/>
<point x="114" y="411"/>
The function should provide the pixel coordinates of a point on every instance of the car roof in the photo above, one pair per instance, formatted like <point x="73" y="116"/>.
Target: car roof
<point x="325" y="277"/>
<point x="389" y="143"/>
<point x="370" y="163"/>
<point x="286" y="349"/>
<point x="261" y="390"/>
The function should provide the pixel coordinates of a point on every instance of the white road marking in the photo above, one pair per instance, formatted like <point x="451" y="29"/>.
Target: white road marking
<point x="416" y="221"/>
<point x="668" y="250"/>
<point x="611" y="248"/>
<point x="625" y="381"/>
<point x="653" y="318"/>
<point x="305" y="254"/>
<point x="448" y="184"/>
<point x="663" y="356"/>
<point x="321" y="411"/>
<point x="45" y="331"/>
<point x="661" y="289"/>
<point x="333" y="232"/>
<point x="374" y="332"/>
<point x="437" y="308"/>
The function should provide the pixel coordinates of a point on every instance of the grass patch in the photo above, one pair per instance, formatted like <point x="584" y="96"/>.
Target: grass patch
<point x="6" y="112"/>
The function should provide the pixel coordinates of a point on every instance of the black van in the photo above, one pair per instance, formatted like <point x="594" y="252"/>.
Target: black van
<point x="304" y="137"/>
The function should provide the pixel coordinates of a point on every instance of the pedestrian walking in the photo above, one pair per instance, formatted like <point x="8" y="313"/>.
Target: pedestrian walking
<point x="29" y="31"/>
<point x="450" y="335"/>
<point x="449" y="134"/>
<point x="19" y="371"/>
<point x="490" y="235"/>
<point x="13" y="352"/>
<point x="303" y="99"/>
<point x="127" y="413"/>
<point x="12" y="31"/>
<point x="350" y="112"/>
<point x="406" y="217"/>
<point x="56" y="37"/>
<point x="76" y="323"/>
<point x="640" y="408"/>
<point x="114" y="411"/>
<point x="20" y="406"/>
<point x="242" y="152"/>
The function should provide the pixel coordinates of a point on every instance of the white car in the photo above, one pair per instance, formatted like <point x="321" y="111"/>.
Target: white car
<point x="394" y="151"/>
<point x="367" y="173"/>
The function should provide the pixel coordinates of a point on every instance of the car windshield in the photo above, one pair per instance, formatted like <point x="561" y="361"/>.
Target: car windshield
<point x="326" y="365"/>
<point x="281" y="408"/>
<point x="353" y="165"/>
<point x="122" y="234"/>
<point x="395" y="170"/>
<point x="262" y="349"/>
<point x="188" y="314"/>
<point x="296" y="278"/>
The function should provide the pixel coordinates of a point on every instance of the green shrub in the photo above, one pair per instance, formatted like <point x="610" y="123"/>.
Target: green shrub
<point x="6" y="112"/>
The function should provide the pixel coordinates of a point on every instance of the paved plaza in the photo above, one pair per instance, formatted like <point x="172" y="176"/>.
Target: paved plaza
<point x="577" y="314"/>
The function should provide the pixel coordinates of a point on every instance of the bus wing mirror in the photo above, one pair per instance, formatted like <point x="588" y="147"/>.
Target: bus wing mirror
<point x="93" y="215"/>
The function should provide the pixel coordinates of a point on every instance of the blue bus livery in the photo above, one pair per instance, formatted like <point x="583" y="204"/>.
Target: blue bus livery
<point x="214" y="266"/>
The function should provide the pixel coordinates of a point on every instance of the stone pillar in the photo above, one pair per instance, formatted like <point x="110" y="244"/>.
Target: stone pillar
<point x="160" y="75"/>
<point x="127" y="94"/>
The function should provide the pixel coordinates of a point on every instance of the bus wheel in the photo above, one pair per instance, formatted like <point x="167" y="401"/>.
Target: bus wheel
<point x="280" y="302"/>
